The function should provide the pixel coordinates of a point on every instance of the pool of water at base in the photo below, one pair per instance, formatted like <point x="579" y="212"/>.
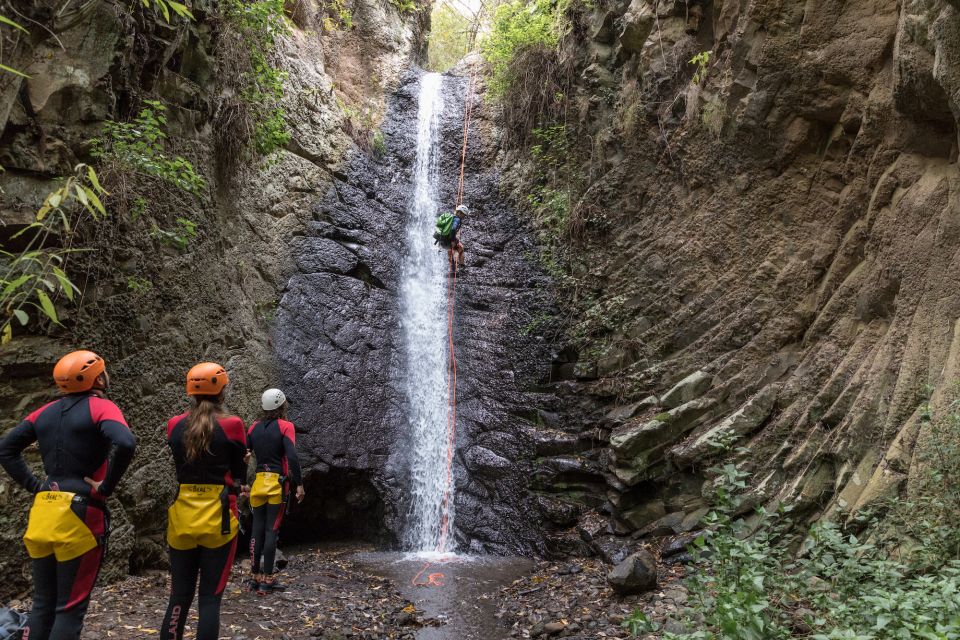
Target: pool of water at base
<point x="461" y="591"/>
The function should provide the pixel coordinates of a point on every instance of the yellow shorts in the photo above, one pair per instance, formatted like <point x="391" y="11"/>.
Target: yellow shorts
<point x="203" y="515"/>
<point x="61" y="526"/>
<point x="266" y="489"/>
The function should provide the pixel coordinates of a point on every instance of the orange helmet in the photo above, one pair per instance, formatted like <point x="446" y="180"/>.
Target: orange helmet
<point x="78" y="371"/>
<point x="206" y="379"/>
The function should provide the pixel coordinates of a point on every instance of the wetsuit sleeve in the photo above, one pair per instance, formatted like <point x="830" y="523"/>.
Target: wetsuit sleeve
<point x="233" y="428"/>
<point x="11" y="458"/>
<point x="123" y="443"/>
<point x="289" y="434"/>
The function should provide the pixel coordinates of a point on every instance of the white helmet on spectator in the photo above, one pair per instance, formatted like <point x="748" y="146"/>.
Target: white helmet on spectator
<point x="272" y="399"/>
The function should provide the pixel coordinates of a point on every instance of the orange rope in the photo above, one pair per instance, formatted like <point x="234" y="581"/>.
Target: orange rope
<point x="436" y="579"/>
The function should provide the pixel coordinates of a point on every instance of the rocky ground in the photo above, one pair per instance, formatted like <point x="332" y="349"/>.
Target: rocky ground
<point x="574" y="601"/>
<point x="332" y="596"/>
<point x="329" y="598"/>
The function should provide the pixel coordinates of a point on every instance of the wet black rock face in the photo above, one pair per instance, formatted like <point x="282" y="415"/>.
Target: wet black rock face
<point x="339" y="346"/>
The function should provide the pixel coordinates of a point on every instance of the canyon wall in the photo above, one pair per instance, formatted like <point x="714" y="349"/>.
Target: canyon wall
<point x="767" y="254"/>
<point x="151" y="309"/>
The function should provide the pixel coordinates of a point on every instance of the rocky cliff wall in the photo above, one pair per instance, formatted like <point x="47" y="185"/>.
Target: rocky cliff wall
<point x="149" y="309"/>
<point x="779" y="238"/>
<point x="340" y="346"/>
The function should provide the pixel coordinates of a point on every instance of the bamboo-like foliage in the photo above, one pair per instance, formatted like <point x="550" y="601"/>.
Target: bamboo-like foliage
<point x="35" y="276"/>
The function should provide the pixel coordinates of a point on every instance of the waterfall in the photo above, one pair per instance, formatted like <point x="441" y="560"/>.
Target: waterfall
<point x="424" y="324"/>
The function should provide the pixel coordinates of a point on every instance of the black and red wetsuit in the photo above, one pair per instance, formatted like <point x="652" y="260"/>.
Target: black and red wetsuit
<point x="274" y="443"/>
<point x="79" y="435"/>
<point x="203" y="524"/>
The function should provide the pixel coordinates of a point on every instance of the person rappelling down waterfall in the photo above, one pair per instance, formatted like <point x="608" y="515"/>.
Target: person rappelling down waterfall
<point x="447" y="236"/>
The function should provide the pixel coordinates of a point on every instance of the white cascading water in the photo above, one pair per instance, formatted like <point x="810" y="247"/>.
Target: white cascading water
<point x="424" y="309"/>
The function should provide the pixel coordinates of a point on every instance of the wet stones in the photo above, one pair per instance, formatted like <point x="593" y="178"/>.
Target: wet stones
<point x="635" y="574"/>
<point x="481" y="460"/>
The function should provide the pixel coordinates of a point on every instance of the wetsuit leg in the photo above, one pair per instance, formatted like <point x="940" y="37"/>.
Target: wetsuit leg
<point x="184" y="569"/>
<point x="75" y="580"/>
<point x="215" y="565"/>
<point x="44" y="599"/>
<point x="274" y="517"/>
<point x="258" y="536"/>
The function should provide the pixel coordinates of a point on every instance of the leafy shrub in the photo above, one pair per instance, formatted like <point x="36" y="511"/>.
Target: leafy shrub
<point x="450" y="37"/>
<point x="339" y="17"/>
<point x="5" y="21"/>
<point x="519" y="26"/>
<point x="701" y="61"/>
<point x="139" y="146"/>
<point x="260" y="23"/>
<point x="166" y="6"/>
<point x="747" y="585"/>
<point x="34" y="276"/>
<point x="404" y="6"/>
<point x="139" y="284"/>
<point x="178" y="237"/>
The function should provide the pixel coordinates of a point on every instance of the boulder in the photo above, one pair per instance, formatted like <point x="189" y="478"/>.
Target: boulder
<point x="638" y="22"/>
<point x="641" y="516"/>
<point x="599" y="77"/>
<point x="482" y="460"/>
<point x="635" y="574"/>
<point x="612" y="549"/>
<point x="690" y="388"/>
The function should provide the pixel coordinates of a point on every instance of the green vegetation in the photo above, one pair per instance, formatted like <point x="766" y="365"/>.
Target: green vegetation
<point x="451" y="37"/>
<point x="702" y="62"/>
<point x="34" y="276"/>
<point x="166" y="6"/>
<point x="139" y="284"/>
<point x="899" y="580"/>
<point x="178" y="237"/>
<point x="404" y="6"/>
<point x="550" y="199"/>
<point x="379" y="142"/>
<point x="339" y="17"/>
<point x="520" y="26"/>
<point x="4" y="21"/>
<point x="138" y="146"/>
<point x="259" y="24"/>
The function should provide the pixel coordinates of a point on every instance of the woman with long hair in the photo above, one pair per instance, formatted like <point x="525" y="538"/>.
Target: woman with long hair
<point x="85" y="446"/>
<point x="209" y="447"/>
<point x="273" y="440"/>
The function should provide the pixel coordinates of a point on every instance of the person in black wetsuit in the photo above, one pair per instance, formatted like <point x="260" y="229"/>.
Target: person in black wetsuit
<point x="273" y="440"/>
<point x="86" y="446"/>
<point x="209" y="448"/>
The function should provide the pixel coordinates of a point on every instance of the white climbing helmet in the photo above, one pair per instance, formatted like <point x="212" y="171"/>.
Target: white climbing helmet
<point x="272" y="399"/>
<point x="464" y="209"/>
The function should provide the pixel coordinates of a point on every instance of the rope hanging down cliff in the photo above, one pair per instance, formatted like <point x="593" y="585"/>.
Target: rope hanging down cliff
<point x="437" y="578"/>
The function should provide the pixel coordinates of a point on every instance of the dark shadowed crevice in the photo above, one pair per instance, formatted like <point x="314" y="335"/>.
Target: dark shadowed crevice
<point x="339" y="505"/>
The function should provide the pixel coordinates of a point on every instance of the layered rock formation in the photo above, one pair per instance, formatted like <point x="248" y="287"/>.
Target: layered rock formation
<point x="777" y="238"/>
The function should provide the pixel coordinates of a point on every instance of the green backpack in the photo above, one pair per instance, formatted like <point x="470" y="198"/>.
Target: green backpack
<point x="444" y="225"/>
